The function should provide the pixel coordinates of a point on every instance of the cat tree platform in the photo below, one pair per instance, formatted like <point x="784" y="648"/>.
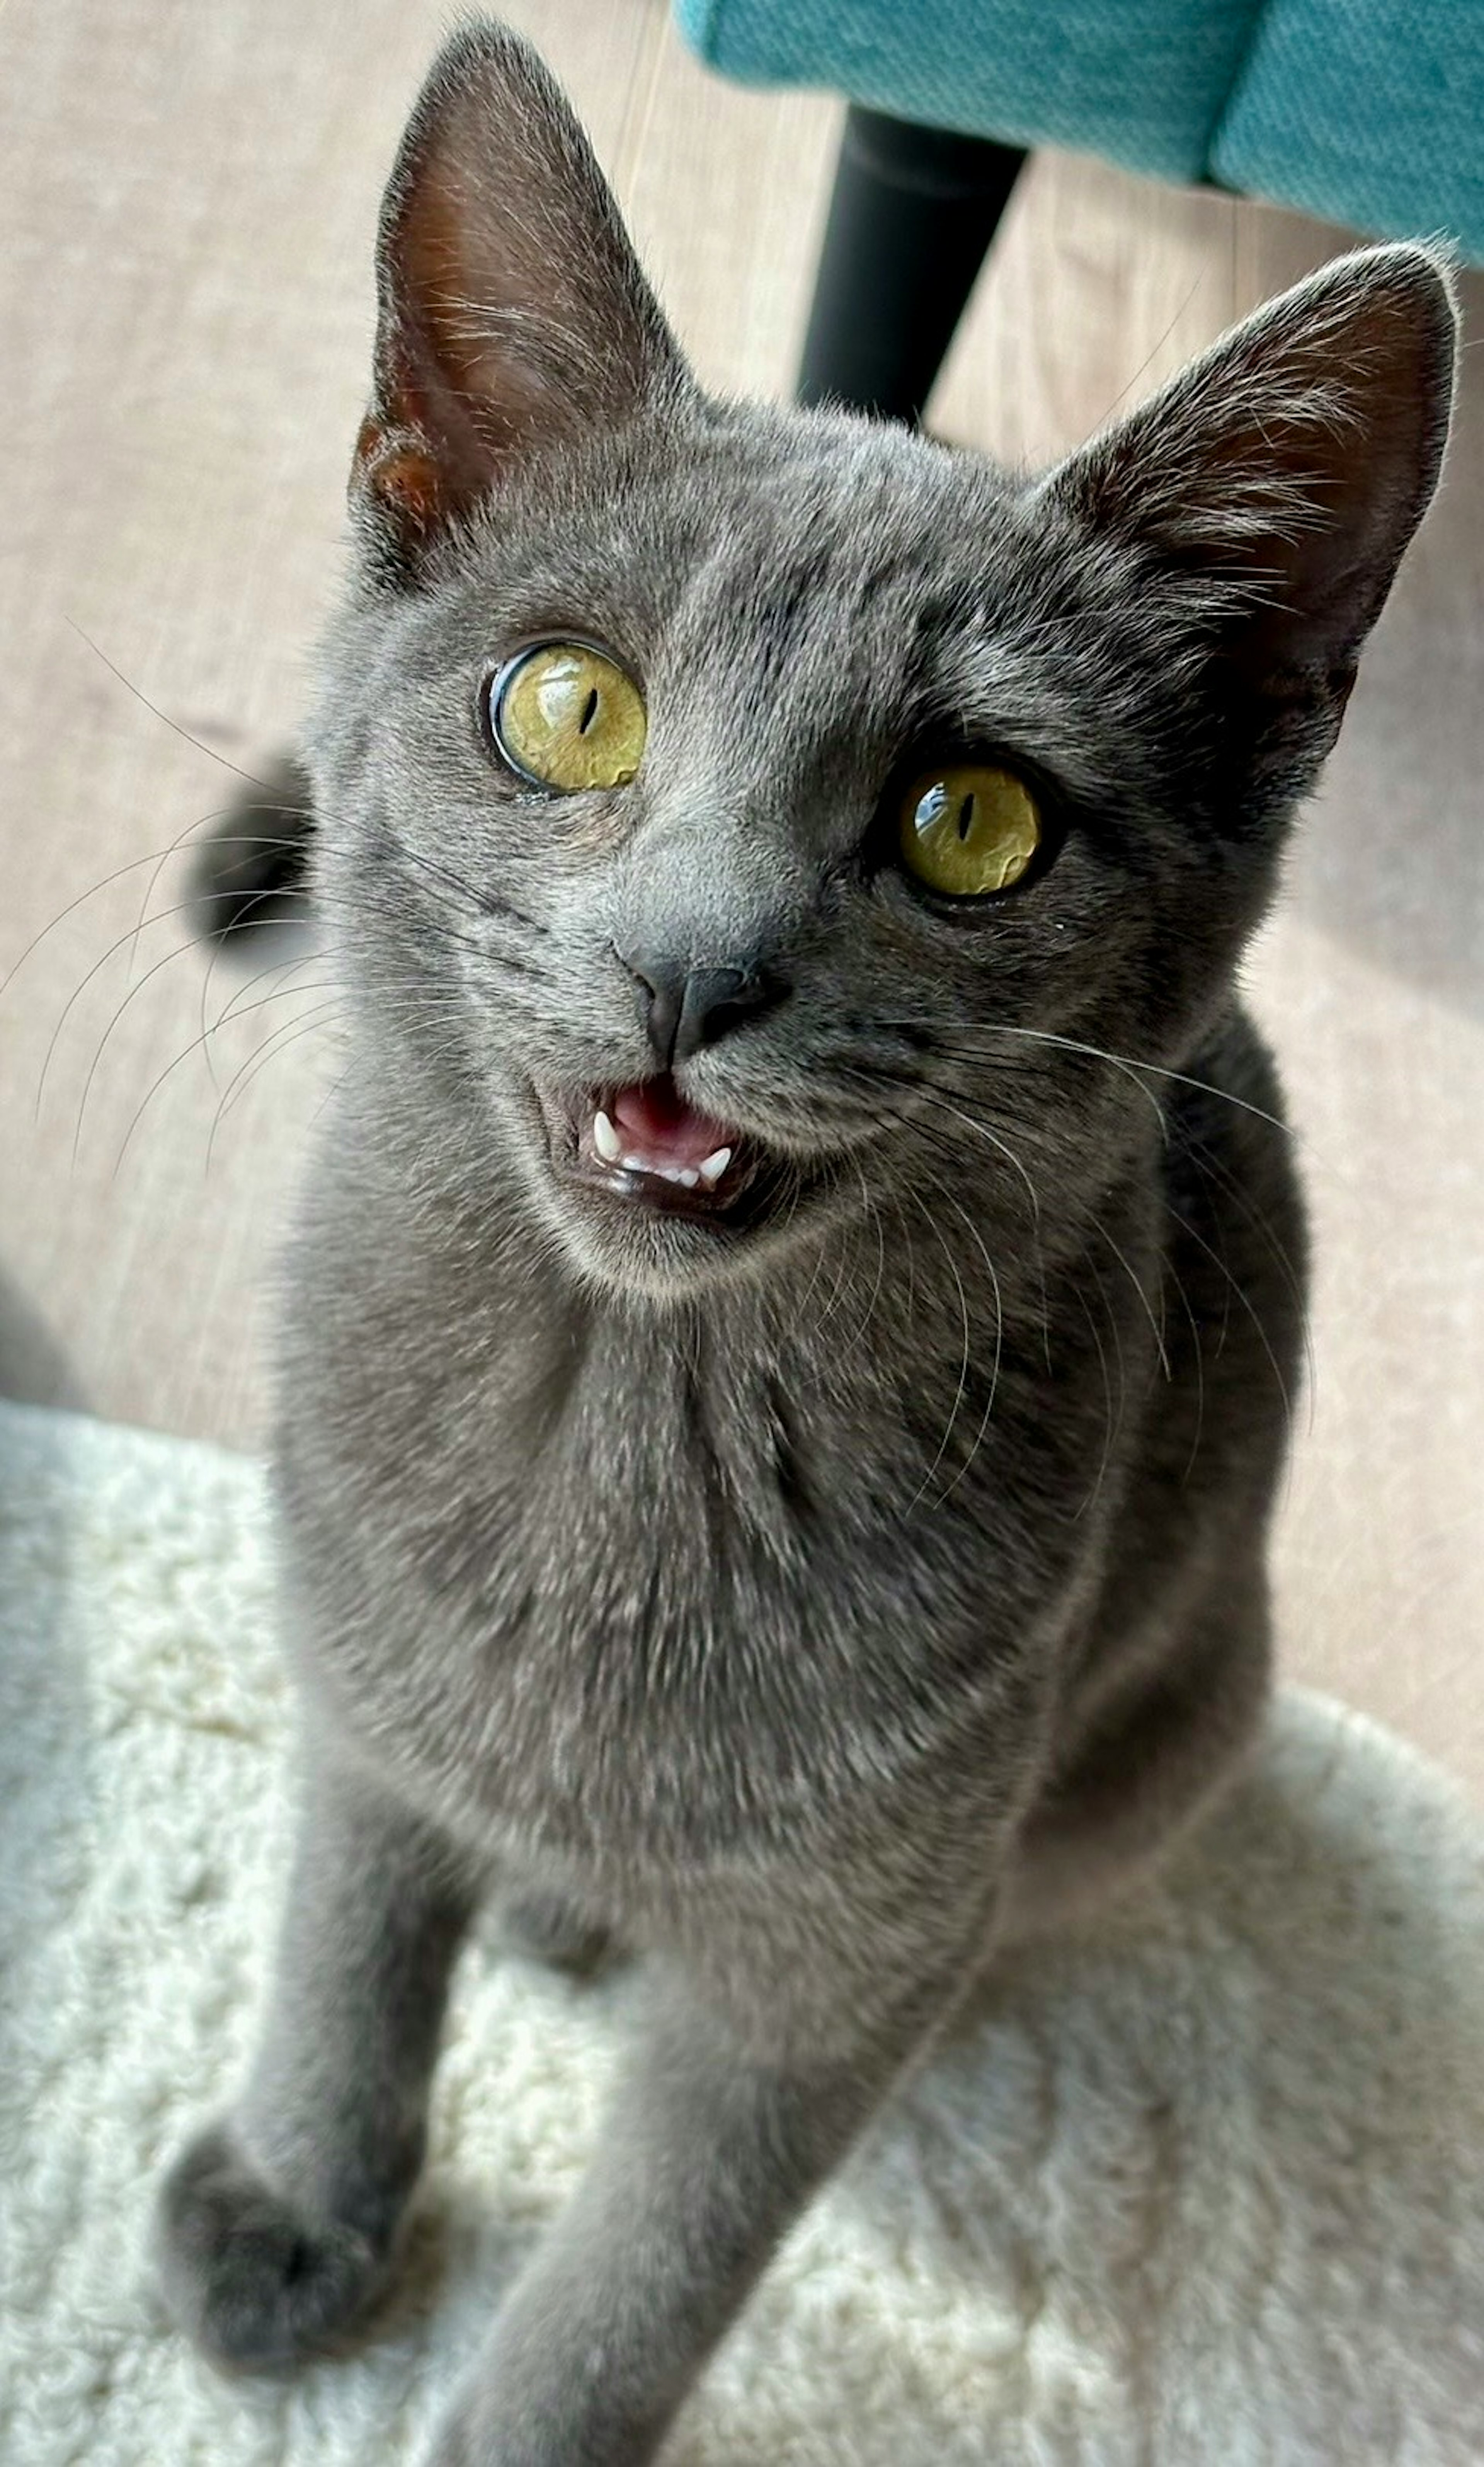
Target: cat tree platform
<point x="1203" y="2188"/>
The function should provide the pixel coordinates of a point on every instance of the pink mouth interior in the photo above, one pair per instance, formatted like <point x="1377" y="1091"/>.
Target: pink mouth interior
<point x="655" y="1121"/>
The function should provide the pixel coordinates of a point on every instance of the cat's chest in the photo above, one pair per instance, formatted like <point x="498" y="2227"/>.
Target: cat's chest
<point x="612" y="1599"/>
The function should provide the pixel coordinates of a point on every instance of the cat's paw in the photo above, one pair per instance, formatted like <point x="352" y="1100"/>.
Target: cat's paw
<point x="257" y="2282"/>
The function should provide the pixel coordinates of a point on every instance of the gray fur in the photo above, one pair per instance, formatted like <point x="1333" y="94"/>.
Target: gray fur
<point x="809" y="1608"/>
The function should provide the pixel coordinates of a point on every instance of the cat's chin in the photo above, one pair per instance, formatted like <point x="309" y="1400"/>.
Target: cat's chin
<point x="651" y="1197"/>
<point x="654" y="1256"/>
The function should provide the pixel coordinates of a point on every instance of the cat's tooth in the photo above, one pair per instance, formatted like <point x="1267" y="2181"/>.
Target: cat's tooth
<point x="713" y="1168"/>
<point x="605" y="1139"/>
<point x="684" y="1174"/>
<point x="635" y="1165"/>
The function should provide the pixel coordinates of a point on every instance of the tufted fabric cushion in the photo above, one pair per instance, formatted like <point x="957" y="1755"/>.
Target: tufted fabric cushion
<point x="1369" y="111"/>
<point x="1143" y="82"/>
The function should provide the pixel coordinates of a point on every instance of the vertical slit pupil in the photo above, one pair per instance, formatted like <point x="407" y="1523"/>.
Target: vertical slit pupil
<point x="589" y="713"/>
<point x="966" y="816"/>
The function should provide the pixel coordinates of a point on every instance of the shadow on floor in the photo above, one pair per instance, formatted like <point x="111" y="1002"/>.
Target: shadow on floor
<point x="33" y="1369"/>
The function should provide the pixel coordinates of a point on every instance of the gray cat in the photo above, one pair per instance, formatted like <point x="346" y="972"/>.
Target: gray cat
<point x="787" y="1351"/>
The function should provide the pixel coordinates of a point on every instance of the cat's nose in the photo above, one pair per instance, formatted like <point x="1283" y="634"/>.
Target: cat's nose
<point x="685" y="1007"/>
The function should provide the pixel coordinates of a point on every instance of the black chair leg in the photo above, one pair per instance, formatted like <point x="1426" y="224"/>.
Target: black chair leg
<point x="912" y="213"/>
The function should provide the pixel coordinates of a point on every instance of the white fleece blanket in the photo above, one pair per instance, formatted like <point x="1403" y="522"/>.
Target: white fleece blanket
<point x="1205" y="2188"/>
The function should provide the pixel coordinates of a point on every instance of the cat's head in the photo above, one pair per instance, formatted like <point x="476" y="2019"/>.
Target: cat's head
<point x="741" y="817"/>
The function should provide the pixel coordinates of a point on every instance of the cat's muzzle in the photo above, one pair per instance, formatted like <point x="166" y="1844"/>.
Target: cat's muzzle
<point x="646" y="1146"/>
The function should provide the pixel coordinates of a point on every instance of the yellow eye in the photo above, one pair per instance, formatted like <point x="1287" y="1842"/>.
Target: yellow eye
<point x="568" y="716"/>
<point x="969" y="830"/>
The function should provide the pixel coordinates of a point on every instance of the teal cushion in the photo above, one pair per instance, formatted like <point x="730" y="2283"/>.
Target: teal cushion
<point x="1141" y="81"/>
<point x="1368" y="111"/>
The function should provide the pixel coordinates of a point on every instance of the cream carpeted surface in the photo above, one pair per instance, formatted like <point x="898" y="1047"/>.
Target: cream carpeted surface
<point x="1205" y="2188"/>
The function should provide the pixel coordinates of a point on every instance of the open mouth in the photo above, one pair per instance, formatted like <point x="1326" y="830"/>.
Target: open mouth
<point x="648" y="1146"/>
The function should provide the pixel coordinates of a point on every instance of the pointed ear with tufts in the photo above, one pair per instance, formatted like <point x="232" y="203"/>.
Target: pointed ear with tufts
<point x="1283" y="474"/>
<point x="512" y="313"/>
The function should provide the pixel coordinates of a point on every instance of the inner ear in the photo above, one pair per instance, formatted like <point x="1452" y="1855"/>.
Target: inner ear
<point x="1285" y="472"/>
<point x="512" y="313"/>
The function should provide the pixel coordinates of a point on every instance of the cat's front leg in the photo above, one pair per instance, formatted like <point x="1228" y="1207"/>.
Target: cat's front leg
<point x="709" y="2151"/>
<point x="278" y="2224"/>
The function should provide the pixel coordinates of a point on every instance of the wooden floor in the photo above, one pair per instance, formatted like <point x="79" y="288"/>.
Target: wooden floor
<point x="188" y="195"/>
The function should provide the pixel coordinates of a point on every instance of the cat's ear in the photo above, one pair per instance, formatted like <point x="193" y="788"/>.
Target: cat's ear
<point x="1283" y="474"/>
<point x="512" y="313"/>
